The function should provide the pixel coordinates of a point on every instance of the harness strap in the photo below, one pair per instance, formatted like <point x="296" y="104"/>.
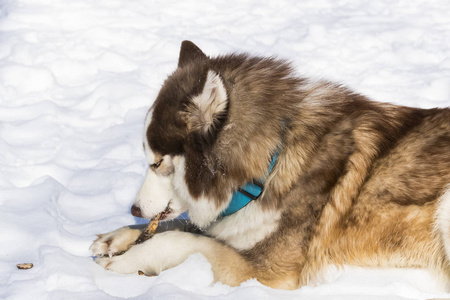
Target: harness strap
<point x="249" y="192"/>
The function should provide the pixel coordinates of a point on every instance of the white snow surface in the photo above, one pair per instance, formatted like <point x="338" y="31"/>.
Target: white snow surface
<point x="76" y="80"/>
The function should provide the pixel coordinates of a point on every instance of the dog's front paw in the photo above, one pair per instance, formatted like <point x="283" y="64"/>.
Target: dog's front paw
<point x="115" y="242"/>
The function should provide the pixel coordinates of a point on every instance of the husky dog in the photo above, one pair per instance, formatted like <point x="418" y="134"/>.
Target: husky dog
<point x="286" y="176"/>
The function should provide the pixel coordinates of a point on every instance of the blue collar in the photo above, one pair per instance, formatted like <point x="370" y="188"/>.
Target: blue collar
<point x="249" y="192"/>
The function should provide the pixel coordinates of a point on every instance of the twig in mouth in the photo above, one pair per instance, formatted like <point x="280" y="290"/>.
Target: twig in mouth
<point x="149" y="231"/>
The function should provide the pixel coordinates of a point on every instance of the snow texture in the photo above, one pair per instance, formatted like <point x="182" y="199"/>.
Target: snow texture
<point x="77" y="77"/>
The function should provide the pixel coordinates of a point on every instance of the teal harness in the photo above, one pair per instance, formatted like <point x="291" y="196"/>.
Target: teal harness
<point x="249" y="192"/>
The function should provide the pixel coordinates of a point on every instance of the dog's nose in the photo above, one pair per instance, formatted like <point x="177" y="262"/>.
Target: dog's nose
<point x="136" y="211"/>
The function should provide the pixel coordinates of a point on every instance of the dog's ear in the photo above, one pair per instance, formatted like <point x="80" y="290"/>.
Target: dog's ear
<point x="190" y="52"/>
<point x="207" y="112"/>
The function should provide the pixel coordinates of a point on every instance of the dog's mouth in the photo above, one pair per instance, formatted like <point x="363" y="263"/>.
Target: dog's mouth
<point x="166" y="212"/>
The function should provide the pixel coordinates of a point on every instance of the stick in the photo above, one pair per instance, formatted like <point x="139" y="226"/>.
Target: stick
<point x="149" y="231"/>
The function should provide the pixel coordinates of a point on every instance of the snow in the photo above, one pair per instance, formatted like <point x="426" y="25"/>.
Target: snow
<point x="77" y="77"/>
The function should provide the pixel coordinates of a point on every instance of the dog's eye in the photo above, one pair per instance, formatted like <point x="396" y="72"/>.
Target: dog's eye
<point x="156" y="165"/>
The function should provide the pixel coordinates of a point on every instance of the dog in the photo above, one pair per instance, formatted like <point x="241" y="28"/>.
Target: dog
<point x="285" y="176"/>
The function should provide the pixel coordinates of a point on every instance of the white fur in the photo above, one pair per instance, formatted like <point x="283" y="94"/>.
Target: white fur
<point x="155" y="194"/>
<point x="245" y="228"/>
<point x="212" y="100"/>
<point x="161" y="252"/>
<point x="204" y="211"/>
<point x="443" y="219"/>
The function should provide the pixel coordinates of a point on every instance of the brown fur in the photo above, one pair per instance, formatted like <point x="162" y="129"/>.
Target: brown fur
<point x="357" y="182"/>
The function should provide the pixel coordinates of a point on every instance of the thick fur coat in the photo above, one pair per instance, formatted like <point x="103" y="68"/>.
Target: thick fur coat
<point x="356" y="182"/>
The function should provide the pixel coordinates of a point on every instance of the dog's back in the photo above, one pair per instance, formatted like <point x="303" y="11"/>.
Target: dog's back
<point x="358" y="182"/>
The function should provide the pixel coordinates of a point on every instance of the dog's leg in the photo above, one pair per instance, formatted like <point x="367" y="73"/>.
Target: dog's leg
<point x="168" y="249"/>
<point x="120" y="240"/>
<point x="443" y="227"/>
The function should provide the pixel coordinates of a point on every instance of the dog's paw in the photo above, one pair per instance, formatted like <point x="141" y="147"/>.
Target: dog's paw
<point x="130" y="262"/>
<point x="115" y="242"/>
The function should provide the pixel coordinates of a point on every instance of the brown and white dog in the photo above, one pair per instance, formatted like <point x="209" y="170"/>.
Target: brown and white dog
<point x="354" y="182"/>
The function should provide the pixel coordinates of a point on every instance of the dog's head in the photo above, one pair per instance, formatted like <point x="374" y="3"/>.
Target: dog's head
<point x="180" y="130"/>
